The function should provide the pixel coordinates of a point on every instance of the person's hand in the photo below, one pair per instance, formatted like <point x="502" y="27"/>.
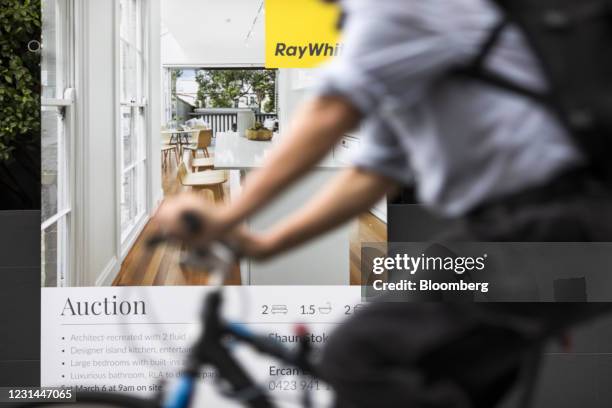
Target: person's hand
<point x="251" y="245"/>
<point x="169" y="221"/>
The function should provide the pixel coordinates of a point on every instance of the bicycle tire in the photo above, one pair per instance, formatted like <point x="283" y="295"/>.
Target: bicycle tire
<point x="93" y="399"/>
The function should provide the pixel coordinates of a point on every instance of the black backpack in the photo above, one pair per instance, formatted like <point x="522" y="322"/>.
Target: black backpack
<point x="573" y="41"/>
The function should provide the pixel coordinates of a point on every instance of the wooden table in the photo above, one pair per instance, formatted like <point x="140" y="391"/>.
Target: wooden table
<point x="179" y="138"/>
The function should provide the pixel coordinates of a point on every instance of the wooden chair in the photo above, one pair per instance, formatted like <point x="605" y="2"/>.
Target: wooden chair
<point x="204" y="139"/>
<point x="202" y="163"/>
<point x="211" y="180"/>
<point x="167" y="150"/>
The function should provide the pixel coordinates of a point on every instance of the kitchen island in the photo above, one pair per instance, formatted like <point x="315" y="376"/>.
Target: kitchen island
<point x="325" y="261"/>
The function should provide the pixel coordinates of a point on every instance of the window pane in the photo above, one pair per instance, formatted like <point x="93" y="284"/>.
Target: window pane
<point x="50" y="57"/>
<point x="133" y="142"/>
<point x="140" y="188"/>
<point x="141" y="77"/>
<point x="127" y="200"/>
<point x="130" y="39"/>
<point x="129" y="86"/>
<point x="54" y="255"/>
<point x="141" y="127"/>
<point x="51" y="126"/>
<point x="129" y="20"/>
<point x="127" y="142"/>
<point x="48" y="246"/>
<point x="55" y="165"/>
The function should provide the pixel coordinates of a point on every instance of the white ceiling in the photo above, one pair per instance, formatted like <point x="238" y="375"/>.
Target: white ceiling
<point x="212" y="32"/>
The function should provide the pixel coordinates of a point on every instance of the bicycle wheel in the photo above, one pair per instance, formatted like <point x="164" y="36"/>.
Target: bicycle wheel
<point x="95" y="400"/>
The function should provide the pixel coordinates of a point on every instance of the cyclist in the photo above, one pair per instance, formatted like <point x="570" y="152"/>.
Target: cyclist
<point x="498" y="161"/>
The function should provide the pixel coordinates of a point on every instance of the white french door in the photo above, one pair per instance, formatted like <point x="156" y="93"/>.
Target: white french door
<point x="132" y="117"/>
<point x="57" y="132"/>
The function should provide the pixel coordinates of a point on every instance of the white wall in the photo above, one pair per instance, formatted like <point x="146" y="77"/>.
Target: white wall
<point x="155" y="102"/>
<point x="294" y="88"/>
<point x="97" y="98"/>
<point x="96" y="243"/>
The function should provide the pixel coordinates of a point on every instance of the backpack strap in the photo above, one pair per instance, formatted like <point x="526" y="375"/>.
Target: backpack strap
<point x="477" y="68"/>
<point x="487" y="47"/>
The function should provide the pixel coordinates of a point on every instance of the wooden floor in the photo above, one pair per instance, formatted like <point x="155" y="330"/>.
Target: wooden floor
<point x="368" y="229"/>
<point x="160" y="266"/>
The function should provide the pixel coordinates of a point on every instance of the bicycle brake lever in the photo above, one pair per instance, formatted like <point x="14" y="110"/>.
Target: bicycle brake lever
<point x="193" y="222"/>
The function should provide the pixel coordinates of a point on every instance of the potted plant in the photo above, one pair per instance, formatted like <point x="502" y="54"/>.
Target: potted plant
<point x="20" y="168"/>
<point x="258" y="132"/>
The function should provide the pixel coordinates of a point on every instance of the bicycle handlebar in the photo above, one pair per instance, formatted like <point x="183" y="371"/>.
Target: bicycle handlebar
<point x="192" y="223"/>
<point x="218" y="258"/>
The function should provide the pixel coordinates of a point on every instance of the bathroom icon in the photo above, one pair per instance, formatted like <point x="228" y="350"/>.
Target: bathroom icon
<point x="327" y="309"/>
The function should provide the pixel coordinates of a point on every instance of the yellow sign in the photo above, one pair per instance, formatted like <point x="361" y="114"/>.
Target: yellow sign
<point x="301" y="33"/>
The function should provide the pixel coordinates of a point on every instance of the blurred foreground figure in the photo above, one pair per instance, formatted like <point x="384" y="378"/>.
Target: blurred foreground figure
<point x="429" y="83"/>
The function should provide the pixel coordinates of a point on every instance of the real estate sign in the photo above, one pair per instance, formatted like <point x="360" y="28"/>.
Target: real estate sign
<point x="301" y="33"/>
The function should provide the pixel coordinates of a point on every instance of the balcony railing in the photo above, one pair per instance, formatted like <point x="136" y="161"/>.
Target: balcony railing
<point x="220" y="122"/>
<point x="228" y="121"/>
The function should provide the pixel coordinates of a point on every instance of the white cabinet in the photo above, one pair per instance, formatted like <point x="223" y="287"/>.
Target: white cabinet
<point x="343" y="153"/>
<point x="380" y="210"/>
<point x="323" y="261"/>
<point x="344" y="150"/>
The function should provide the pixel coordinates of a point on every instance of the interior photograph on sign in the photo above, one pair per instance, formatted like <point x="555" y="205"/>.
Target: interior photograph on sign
<point x="186" y="106"/>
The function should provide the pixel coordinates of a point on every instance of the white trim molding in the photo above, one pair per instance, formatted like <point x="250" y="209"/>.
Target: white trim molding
<point x="80" y="249"/>
<point x="131" y="238"/>
<point x="109" y="273"/>
<point x="214" y="65"/>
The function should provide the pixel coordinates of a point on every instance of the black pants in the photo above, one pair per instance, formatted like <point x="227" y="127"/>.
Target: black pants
<point x="440" y="355"/>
